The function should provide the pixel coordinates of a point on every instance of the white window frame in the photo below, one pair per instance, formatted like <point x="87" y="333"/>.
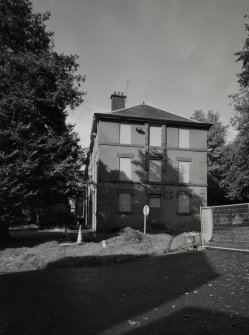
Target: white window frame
<point x="124" y="174"/>
<point x="182" y="207"/>
<point x="184" y="138"/>
<point x="154" y="141"/>
<point x="184" y="172"/>
<point x="124" y="133"/>
<point x="121" y="208"/>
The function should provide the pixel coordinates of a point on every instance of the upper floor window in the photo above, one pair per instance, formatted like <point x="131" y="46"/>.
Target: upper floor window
<point x="124" y="168"/>
<point x="155" y="136"/>
<point x="155" y="170"/>
<point x="184" y="138"/>
<point x="184" y="169"/>
<point x="183" y="204"/>
<point x="125" y="133"/>
<point x="184" y="172"/>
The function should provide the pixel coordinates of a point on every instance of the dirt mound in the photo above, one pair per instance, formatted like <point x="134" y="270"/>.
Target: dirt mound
<point x="131" y="235"/>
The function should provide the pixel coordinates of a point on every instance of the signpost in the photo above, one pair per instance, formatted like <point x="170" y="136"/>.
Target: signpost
<point x="146" y="211"/>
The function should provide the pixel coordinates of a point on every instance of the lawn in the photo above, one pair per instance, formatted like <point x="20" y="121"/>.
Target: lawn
<point x="196" y="292"/>
<point x="27" y="251"/>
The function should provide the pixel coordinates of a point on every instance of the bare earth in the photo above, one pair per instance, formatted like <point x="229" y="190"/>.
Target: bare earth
<point x="198" y="292"/>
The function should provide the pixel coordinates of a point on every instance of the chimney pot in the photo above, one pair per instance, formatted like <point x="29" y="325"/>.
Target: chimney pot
<point x="118" y="100"/>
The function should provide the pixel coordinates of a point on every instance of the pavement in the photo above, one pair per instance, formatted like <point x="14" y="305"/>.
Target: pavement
<point x="198" y="292"/>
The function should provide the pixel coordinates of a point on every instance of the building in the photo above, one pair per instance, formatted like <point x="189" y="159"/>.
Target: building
<point x="144" y="155"/>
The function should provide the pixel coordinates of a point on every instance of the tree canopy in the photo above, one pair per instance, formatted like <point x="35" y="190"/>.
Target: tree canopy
<point x="40" y="155"/>
<point x="238" y="173"/>
<point x="216" y="143"/>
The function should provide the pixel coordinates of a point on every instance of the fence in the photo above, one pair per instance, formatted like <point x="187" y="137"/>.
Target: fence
<point x="225" y="227"/>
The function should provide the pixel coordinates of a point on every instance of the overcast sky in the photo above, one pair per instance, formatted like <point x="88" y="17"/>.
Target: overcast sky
<point x="179" y="54"/>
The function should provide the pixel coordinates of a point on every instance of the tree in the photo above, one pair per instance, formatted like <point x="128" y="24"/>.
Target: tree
<point x="238" y="174"/>
<point x="40" y="155"/>
<point x="216" y="143"/>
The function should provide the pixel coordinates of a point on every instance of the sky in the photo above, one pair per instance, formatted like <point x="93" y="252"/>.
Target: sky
<point x="177" y="55"/>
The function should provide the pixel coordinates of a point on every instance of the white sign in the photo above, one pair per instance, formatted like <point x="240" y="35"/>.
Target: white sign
<point x="146" y="210"/>
<point x="206" y="224"/>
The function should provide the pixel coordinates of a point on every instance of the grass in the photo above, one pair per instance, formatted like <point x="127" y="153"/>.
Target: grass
<point x="128" y="244"/>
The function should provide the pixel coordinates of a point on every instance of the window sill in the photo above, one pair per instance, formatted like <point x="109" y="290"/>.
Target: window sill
<point x="183" y="214"/>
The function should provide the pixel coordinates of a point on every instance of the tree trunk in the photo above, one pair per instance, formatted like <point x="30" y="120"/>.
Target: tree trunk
<point x="4" y="234"/>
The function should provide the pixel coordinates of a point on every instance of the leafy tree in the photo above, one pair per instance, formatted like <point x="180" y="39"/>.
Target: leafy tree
<point x="216" y="142"/>
<point x="40" y="155"/>
<point x="237" y="180"/>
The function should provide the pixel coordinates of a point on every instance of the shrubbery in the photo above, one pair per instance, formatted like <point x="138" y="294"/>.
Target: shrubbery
<point x="57" y="216"/>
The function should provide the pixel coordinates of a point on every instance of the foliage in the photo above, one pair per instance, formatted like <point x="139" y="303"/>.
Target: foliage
<point x="216" y="142"/>
<point x="40" y="155"/>
<point x="58" y="215"/>
<point x="237" y="180"/>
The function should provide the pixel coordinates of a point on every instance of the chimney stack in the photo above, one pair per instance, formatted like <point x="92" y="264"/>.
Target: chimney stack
<point x="118" y="100"/>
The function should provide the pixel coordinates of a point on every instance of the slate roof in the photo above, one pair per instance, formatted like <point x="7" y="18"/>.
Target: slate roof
<point x="149" y="112"/>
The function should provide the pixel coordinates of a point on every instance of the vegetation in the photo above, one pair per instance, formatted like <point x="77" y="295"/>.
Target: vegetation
<point x="237" y="178"/>
<point x="40" y="155"/>
<point x="216" y="142"/>
<point x="228" y="164"/>
<point x="125" y="245"/>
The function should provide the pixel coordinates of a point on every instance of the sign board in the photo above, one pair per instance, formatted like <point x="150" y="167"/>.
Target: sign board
<point x="146" y="210"/>
<point x="206" y="224"/>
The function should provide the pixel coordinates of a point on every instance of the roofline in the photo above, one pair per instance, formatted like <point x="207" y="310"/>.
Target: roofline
<point x="172" y="113"/>
<point x="196" y="124"/>
<point x="123" y="109"/>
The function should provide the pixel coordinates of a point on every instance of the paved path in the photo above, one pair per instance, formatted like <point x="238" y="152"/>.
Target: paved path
<point x="189" y="293"/>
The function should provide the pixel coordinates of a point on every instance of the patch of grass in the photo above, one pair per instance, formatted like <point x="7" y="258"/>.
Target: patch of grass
<point x="126" y="245"/>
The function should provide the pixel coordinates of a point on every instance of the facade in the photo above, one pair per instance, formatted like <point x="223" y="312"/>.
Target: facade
<point x="143" y="155"/>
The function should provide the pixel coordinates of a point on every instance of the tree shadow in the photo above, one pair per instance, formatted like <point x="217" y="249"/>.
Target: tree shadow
<point x="100" y="299"/>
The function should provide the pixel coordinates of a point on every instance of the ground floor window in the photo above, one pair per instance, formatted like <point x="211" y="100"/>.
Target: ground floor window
<point x="125" y="202"/>
<point x="155" y="209"/>
<point x="183" y="204"/>
<point x="155" y="202"/>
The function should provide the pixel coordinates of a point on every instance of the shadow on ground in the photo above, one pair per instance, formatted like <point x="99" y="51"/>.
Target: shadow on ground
<point x="129" y="298"/>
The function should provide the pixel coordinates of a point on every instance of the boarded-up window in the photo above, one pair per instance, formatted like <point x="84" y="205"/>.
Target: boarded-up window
<point x="155" y="202"/>
<point x="125" y="202"/>
<point x="184" y="172"/>
<point x="183" y="203"/>
<point x="155" y="136"/>
<point x="124" y="168"/>
<point x="125" y="133"/>
<point x="155" y="170"/>
<point x="184" y="138"/>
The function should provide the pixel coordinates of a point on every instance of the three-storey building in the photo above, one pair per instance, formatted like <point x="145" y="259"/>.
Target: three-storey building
<point x="144" y="155"/>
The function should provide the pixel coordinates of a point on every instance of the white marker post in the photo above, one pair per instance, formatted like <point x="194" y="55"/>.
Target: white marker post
<point x="146" y="211"/>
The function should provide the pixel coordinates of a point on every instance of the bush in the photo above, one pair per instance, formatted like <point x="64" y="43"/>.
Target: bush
<point x="57" y="216"/>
